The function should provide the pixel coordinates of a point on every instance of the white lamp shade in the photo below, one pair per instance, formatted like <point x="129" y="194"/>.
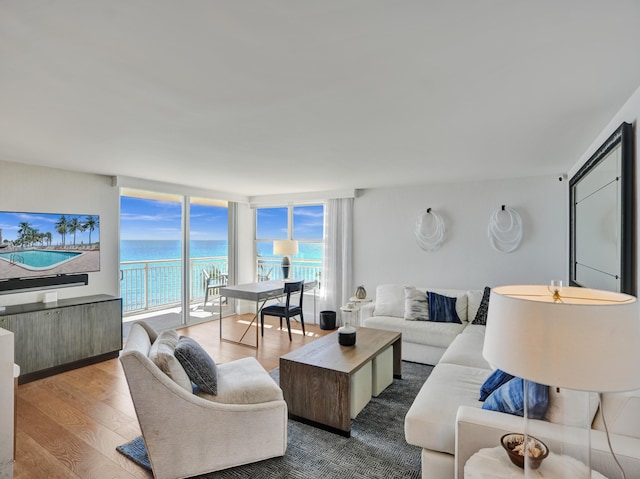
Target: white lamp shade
<point x="285" y="247"/>
<point x="590" y="341"/>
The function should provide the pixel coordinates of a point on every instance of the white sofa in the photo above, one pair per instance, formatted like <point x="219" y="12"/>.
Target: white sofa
<point x="422" y="341"/>
<point x="446" y="418"/>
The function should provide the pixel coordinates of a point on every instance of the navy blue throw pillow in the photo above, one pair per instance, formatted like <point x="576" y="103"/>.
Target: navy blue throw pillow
<point x="509" y="398"/>
<point x="493" y="382"/>
<point x="442" y="309"/>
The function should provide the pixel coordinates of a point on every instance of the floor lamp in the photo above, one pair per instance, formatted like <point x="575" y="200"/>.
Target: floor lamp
<point x="574" y="338"/>
<point x="286" y="248"/>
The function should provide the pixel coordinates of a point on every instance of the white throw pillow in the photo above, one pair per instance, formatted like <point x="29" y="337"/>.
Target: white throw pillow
<point x="568" y="407"/>
<point x="622" y="413"/>
<point x="390" y="300"/>
<point x="474" y="298"/>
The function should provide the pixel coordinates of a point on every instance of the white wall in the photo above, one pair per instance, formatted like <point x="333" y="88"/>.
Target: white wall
<point x="48" y="190"/>
<point x="246" y="244"/>
<point x="629" y="113"/>
<point x="386" y="250"/>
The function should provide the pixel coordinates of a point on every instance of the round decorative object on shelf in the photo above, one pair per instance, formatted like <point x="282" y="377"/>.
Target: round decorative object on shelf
<point x="505" y="230"/>
<point x="535" y="450"/>
<point x="430" y="230"/>
<point x="361" y="293"/>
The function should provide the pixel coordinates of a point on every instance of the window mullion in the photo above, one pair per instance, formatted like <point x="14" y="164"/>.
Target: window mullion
<point x="186" y="259"/>
<point x="290" y="222"/>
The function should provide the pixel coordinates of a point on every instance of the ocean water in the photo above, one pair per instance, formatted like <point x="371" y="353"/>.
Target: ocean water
<point x="306" y="251"/>
<point x="143" y="250"/>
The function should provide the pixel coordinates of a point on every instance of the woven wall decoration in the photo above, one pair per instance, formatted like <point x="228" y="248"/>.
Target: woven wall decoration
<point x="505" y="230"/>
<point x="430" y="230"/>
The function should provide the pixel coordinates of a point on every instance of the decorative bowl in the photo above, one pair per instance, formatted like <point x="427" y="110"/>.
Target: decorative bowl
<point x="513" y="444"/>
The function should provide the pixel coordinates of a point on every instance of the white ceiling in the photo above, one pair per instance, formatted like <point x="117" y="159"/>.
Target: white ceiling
<point x="282" y="96"/>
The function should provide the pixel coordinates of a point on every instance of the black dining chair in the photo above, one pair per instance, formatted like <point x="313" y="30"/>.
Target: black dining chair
<point x="286" y="310"/>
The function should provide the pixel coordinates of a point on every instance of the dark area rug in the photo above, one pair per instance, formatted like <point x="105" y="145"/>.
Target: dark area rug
<point x="376" y="448"/>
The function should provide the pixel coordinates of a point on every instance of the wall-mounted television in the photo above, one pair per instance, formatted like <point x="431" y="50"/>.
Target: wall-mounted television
<point x="47" y="250"/>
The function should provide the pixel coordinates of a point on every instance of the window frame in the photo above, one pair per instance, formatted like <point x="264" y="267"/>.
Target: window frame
<point x="290" y="227"/>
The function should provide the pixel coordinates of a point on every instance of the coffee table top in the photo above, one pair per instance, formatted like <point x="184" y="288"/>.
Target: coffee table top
<point x="327" y="352"/>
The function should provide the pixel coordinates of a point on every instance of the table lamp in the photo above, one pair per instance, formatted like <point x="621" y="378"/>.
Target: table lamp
<point x="574" y="338"/>
<point x="285" y="248"/>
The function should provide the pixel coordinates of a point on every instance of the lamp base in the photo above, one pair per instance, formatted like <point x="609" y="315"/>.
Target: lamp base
<point x="286" y="266"/>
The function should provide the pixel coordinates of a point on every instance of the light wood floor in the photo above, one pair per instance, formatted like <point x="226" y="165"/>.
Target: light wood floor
<point x="69" y="425"/>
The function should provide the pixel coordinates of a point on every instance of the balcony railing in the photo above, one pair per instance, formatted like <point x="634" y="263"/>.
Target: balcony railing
<point x="157" y="284"/>
<point x="305" y="269"/>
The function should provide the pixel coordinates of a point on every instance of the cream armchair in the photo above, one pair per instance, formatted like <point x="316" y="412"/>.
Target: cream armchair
<point x="187" y="435"/>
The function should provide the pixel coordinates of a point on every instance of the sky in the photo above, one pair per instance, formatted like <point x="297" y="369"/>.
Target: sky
<point x="44" y="222"/>
<point x="145" y="219"/>
<point x="308" y="222"/>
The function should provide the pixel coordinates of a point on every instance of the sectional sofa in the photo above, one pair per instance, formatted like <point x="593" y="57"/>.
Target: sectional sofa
<point x="446" y="418"/>
<point x="422" y="341"/>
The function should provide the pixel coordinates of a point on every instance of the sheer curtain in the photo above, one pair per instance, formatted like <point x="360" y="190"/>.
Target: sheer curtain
<point x="338" y="253"/>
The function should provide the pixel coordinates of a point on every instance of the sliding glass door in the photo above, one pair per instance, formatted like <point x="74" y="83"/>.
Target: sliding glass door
<point x="173" y="253"/>
<point x="209" y="257"/>
<point x="150" y="257"/>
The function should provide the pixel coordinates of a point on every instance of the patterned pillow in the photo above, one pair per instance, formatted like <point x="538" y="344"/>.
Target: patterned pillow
<point x="493" y="382"/>
<point x="509" y="398"/>
<point x="162" y="355"/>
<point x="416" y="306"/>
<point x="200" y="367"/>
<point x="442" y="309"/>
<point x="483" y="309"/>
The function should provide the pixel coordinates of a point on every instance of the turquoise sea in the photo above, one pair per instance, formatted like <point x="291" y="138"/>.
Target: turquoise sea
<point x="142" y="250"/>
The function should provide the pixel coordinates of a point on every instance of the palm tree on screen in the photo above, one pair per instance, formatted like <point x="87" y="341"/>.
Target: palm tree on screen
<point x="91" y="223"/>
<point x="74" y="227"/>
<point x="24" y="231"/>
<point x="61" y="227"/>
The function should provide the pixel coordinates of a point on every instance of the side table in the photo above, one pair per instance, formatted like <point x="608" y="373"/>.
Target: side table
<point x="355" y="309"/>
<point x="493" y="463"/>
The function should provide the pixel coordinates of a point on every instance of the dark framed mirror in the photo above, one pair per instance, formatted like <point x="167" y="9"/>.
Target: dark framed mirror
<point x="601" y="217"/>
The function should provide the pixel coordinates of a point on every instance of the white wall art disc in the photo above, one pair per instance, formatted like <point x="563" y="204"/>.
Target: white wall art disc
<point x="505" y="230"/>
<point x="430" y="230"/>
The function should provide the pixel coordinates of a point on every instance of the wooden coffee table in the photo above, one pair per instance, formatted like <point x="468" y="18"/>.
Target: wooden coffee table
<point x="315" y="379"/>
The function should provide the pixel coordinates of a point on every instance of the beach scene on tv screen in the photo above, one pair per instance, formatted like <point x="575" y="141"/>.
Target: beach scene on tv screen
<point x="45" y="244"/>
